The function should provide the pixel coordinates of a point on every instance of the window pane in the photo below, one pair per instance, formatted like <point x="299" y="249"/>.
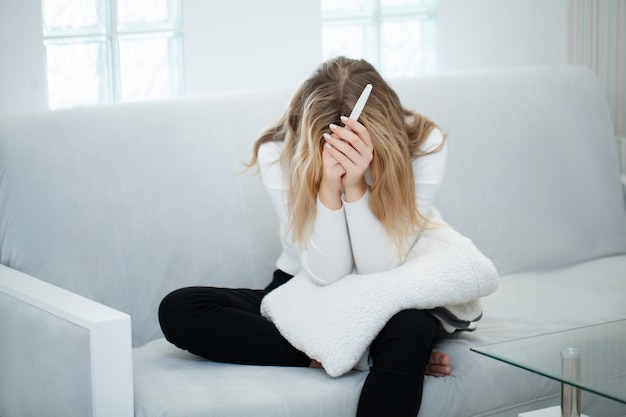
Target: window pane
<point x="405" y="51"/>
<point x="354" y="40"/>
<point x="74" y="17"/>
<point x="148" y="14"/>
<point x="150" y="67"/>
<point x="78" y="72"/>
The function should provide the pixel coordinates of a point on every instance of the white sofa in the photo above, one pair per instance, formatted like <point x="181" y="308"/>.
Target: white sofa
<point x="105" y="210"/>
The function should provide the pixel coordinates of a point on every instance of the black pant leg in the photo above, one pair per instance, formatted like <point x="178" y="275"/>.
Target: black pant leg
<point x="225" y="325"/>
<point x="400" y="354"/>
<point x="280" y="277"/>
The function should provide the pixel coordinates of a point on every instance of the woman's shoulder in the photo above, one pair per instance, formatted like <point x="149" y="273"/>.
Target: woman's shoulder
<point x="433" y="141"/>
<point x="433" y="151"/>
<point x="270" y="152"/>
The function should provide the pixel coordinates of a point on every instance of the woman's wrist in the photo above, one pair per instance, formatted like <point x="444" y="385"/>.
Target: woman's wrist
<point x="355" y="192"/>
<point x="330" y="198"/>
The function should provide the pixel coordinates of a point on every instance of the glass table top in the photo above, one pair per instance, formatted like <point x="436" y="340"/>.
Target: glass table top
<point x="602" y="352"/>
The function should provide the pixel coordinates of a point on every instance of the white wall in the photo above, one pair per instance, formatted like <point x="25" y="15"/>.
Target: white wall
<point x="474" y="34"/>
<point x="232" y="44"/>
<point x="22" y="77"/>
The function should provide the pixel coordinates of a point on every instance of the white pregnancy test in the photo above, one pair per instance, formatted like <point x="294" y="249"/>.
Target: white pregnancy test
<point x="360" y="103"/>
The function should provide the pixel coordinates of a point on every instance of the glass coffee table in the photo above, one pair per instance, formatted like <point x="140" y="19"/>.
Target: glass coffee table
<point x="591" y="358"/>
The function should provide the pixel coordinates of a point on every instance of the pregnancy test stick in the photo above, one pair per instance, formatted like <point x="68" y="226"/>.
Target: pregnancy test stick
<point x="360" y="103"/>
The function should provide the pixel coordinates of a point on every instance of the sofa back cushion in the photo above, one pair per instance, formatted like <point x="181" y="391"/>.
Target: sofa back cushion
<point x="533" y="173"/>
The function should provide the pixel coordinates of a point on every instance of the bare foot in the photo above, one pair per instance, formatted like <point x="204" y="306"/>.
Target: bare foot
<point x="315" y="364"/>
<point x="438" y="365"/>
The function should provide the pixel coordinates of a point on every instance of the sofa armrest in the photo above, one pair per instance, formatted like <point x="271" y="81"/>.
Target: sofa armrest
<point x="61" y="354"/>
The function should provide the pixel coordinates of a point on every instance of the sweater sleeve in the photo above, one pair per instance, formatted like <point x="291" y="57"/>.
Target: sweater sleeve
<point x="272" y="177"/>
<point x="328" y="256"/>
<point x="373" y="249"/>
<point x="428" y="171"/>
<point x="276" y="189"/>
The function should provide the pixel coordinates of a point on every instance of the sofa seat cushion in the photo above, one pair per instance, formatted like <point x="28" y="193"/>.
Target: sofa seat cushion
<point x="169" y="381"/>
<point x="173" y="382"/>
<point x="541" y="302"/>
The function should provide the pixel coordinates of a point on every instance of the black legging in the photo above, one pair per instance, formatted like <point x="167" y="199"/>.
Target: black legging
<point x="225" y="325"/>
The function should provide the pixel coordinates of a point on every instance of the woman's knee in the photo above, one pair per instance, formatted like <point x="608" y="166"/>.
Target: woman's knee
<point x="411" y="324"/>
<point x="405" y="343"/>
<point x="173" y="303"/>
<point x="174" y="312"/>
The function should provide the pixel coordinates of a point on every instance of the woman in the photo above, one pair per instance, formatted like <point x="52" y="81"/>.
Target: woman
<point x="351" y="196"/>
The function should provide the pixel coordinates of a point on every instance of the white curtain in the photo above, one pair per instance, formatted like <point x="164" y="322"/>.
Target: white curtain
<point x="598" y="41"/>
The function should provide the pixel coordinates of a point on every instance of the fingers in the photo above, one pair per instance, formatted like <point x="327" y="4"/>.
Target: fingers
<point x="330" y="187"/>
<point x="332" y="168"/>
<point x="355" y="144"/>
<point x="354" y="135"/>
<point x="357" y="128"/>
<point x="344" y="153"/>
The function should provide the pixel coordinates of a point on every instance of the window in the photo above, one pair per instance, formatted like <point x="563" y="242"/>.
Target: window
<point x="100" y="51"/>
<point x="397" y="36"/>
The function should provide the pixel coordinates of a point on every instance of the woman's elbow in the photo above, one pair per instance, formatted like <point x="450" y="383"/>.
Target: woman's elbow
<point x="323" y="278"/>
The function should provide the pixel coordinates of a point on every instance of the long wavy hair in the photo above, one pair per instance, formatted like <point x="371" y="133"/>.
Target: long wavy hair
<point x="330" y="92"/>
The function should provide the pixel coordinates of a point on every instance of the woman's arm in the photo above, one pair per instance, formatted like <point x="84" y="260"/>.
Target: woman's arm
<point x="328" y="256"/>
<point x="372" y="248"/>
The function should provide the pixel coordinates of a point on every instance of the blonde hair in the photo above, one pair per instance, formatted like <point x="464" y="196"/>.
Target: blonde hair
<point x="396" y="133"/>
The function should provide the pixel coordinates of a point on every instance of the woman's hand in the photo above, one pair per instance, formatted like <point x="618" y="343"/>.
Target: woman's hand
<point x="330" y="187"/>
<point x="352" y="149"/>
